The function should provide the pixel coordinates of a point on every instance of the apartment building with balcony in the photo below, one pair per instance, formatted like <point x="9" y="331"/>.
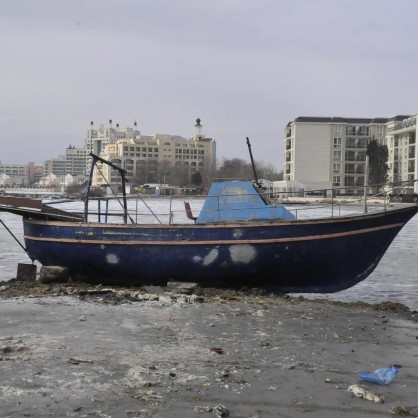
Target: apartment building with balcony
<point x="401" y="138"/>
<point x="330" y="152"/>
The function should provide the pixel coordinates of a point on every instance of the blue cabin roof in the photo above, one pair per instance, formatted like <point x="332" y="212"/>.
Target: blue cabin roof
<point x="239" y="201"/>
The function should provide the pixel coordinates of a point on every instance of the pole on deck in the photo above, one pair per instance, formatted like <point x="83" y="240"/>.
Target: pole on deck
<point x="125" y="205"/>
<point x="87" y="195"/>
<point x="366" y="183"/>
<point x="252" y="162"/>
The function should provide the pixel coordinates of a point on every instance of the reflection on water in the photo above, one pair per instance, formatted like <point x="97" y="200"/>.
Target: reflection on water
<point x="394" y="278"/>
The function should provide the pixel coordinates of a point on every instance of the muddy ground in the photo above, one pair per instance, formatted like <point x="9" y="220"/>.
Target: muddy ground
<point x="80" y="351"/>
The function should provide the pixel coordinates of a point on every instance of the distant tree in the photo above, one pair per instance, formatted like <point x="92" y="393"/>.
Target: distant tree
<point x="268" y="171"/>
<point x="236" y="169"/>
<point x="74" y="188"/>
<point x="165" y="171"/>
<point x="208" y="172"/>
<point x="240" y="169"/>
<point x="141" y="173"/>
<point x="180" y="176"/>
<point x="196" y="179"/>
<point x="378" y="167"/>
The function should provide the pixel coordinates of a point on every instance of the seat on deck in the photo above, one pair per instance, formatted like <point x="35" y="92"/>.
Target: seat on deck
<point x="189" y="211"/>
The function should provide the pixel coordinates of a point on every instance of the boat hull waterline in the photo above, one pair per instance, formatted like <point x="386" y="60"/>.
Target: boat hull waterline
<point x="317" y="255"/>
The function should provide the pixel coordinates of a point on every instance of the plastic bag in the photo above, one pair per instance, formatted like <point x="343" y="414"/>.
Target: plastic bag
<point x="381" y="376"/>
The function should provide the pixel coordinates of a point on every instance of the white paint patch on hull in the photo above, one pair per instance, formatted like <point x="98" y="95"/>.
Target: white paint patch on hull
<point x="211" y="257"/>
<point x="242" y="253"/>
<point x="112" y="258"/>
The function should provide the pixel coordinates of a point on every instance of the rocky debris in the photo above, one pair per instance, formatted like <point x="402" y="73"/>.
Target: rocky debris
<point x="53" y="274"/>
<point x="76" y="360"/>
<point x="224" y="373"/>
<point x="404" y="411"/>
<point x="202" y="409"/>
<point x="182" y="287"/>
<point x="150" y="397"/>
<point x="119" y="295"/>
<point x="153" y="290"/>
<point x="362" y="392"/>
<point x="143" y="413"/>
<point x="11" y="345"/>
<point x="220" y="411"/>
<point x="115" y="296"/>
<point x="86" y="292"/>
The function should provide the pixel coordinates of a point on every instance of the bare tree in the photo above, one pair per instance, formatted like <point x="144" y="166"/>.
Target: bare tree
<point x="165" y="172"/>
<point x="234" y="169"/>
<point x="240" y="169"/>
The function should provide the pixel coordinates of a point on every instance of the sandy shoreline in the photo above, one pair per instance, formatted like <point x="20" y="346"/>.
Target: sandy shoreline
<point x="174" y="356"/>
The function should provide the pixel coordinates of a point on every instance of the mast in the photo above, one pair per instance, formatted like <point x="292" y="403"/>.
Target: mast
<point x="122" y="173"/>
<point x="252" y="163"/>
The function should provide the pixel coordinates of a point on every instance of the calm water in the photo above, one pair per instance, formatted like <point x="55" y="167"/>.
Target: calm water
<point x="395" y="278"/>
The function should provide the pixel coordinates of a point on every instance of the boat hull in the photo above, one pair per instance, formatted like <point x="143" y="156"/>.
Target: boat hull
<point x="322" y="255"/>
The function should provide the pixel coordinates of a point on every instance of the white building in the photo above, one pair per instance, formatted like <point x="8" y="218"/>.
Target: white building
<point x="15" y="175"/>
<point x="97" y="139"/>
<point x="152" y="158"/>
<point x="330" y="152"/>
<point x="401" y="135"/>
<point x="74" y="162"/>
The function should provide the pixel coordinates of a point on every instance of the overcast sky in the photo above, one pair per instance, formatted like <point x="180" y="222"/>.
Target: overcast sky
<point x="245" y="67"/>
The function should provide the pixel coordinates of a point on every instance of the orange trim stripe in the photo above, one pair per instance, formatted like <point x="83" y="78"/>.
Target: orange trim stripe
<point x="218" y="242"/>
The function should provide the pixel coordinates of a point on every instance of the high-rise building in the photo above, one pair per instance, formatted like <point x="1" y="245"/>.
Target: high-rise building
<point x="401" y="135"/>
<point x="73" y="162"/>
<point x="327" y="152"/>
<point x="97" y="139"/>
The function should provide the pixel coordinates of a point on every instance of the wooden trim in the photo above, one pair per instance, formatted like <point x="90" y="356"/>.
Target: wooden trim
<point x="217" y="242"/>
<point x="21" y="202"/>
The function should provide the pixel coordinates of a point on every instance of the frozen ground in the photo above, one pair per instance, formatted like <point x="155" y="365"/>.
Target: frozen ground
<point x="165" y="356"/>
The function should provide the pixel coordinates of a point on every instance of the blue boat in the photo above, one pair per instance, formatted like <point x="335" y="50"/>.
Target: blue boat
<point x="238" y="239"/>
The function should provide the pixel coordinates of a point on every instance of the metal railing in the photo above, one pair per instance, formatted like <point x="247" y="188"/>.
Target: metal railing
<point x="332" y="202"/>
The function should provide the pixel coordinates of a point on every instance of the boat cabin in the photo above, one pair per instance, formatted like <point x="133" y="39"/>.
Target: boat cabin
<point x="236" y="201"/>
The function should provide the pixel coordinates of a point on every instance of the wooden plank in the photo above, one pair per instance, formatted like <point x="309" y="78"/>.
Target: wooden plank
<point x="22" y="202"/>
<point x="29" y="213"/>
<point x="54" y="211"/>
